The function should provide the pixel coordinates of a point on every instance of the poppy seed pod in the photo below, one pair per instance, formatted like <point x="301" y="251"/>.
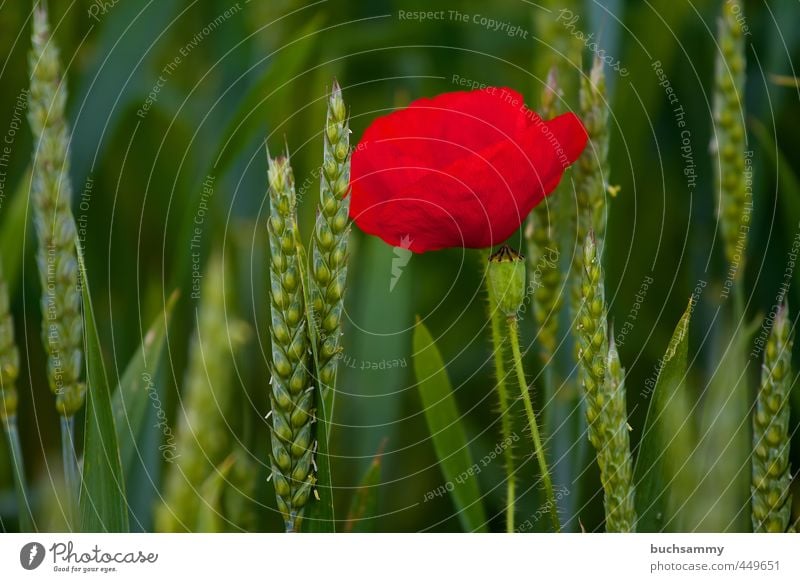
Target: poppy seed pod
<point x="506" y="275"/>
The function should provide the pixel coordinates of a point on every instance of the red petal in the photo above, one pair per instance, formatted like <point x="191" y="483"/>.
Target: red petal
<point x="462" y="169"/>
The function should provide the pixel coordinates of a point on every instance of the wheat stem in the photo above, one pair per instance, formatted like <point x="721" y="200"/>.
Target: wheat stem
<point x="69" y="458"/>
<point x="292" y="397"/>
<point x="771" y="477"/>
<point x="18" y="470"/>
<point x="513" y="335"/>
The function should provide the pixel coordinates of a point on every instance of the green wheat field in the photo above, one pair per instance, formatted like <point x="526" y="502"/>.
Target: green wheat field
<point x="196" y="337"/>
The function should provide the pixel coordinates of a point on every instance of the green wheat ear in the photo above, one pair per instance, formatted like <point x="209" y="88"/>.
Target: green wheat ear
<point x="9" y="359"/>
<point x="292" y="396"/>
<point x="591" y="173"/>
<point x="543" y="247"/>
<point x="729" y="134"/>
<point x="62" y="326"/>
<point x="203" y="434"/>
<point x="328" y="268"/>
<point x="606" y="412"/>
<point x="772" y="499"/>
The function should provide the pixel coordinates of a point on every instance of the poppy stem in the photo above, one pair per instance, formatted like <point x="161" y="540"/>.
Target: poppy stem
<point x="505" y="413"/>
<point x="513" y="336"/>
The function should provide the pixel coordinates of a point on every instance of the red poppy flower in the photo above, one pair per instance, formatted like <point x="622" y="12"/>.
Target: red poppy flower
<point x="463" y="169"/>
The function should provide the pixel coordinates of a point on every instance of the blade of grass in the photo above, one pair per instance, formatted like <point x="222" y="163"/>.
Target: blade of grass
<point x="210" y="515"/>
<point x="103" y="507"/>
<point x="269" y="93"/>
<point x="129" y="402"/>
<point x="447" y="431"/>
<point x="722" y="501"/>
<point x="13" y="231"/>
<point x="667" y="442"/>
<point x="364" y="504"/>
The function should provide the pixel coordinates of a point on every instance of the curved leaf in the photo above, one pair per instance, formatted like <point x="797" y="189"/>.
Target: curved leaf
<point x="103" y="506"/>
<point x="447" y="432"/>
<point x="129" y="402"/>
<point x="666" y="446"/>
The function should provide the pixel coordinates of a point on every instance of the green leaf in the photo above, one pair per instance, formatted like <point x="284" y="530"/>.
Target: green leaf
<point x="662" y="472"/>
<point x="247" y="121"/>
<point x="103" y="507"/>
<point x="788" y="183"/>
<point x="364" y="504"/>
<point x="447" y="432"/>
<point x="210" y="515"/>
<point x="12" y="232"/>
<point x="129" y="402"/>
<point x="267" y="99"/>
<point x="723" y="453"/>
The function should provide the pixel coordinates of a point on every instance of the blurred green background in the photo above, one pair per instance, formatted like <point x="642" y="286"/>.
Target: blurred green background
<point x="264" y="71"/>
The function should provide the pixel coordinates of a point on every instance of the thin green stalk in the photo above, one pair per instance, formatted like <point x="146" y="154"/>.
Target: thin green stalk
<point x="513" y="335"/>
<point x="51" y="194"/>
<point x="771" y="477"/>
<point x="505" y="413"/>
<point x="18" y="470"/>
